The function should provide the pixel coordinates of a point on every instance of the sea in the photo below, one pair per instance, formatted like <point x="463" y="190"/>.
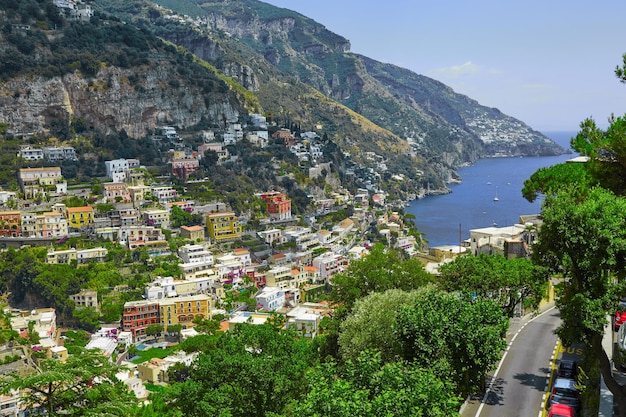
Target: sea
<point x="489" y="194"/>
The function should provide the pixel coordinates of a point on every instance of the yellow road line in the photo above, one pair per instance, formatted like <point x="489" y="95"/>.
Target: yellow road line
<point x="552" y="363"/>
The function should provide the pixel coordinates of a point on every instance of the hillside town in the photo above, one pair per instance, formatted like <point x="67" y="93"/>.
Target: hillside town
<point x="285" y="261"/>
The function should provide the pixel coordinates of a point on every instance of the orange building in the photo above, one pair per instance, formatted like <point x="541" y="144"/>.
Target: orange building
<point x="278" y="205"/>
<point x="138" y="315"/>
<point x="10" y="223"/>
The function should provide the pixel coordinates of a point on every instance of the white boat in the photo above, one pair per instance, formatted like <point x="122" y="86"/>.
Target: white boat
<point x="496" y="196"/>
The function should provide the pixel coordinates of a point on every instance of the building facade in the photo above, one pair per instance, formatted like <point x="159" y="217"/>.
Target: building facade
<point x="223" y="226"/>
<point x="80" y="217"/>
<point x="10" y="223"/>
<point x="182" y="310"/>
<point x="138" y="315"/>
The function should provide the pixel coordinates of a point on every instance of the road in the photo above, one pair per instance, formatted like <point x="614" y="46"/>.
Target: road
<point x="517" y="387"/>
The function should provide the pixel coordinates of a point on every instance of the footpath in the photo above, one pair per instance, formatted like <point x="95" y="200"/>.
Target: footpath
<point x="607" y="406"/>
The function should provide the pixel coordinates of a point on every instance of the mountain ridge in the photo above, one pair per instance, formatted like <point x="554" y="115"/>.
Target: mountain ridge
<point x="238" y="57"/>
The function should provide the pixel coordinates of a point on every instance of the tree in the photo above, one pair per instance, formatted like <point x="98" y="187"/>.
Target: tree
<point x="88" y="318"/>
<point x="550" y="179"/>
<point x="154" y="330"/>
<point x="84" y="385"/>
<point x="459" y="340"/>
<point x="253" y="371"/>
<point x="509" y="282"/>
<point x="382" y="269"/>
<point x="585" y="240"/>
<point x="175" y="330"/>
<point x="620" y="72"/>
<point x="203" y="325"/>
<point x="370" y="326"/>
<point x="368" y="387"/>
<point x="606" y="151"/>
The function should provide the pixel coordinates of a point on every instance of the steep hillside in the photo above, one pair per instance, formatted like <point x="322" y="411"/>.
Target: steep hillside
<point x="216" y="61"/>
<point x="447" y="127"/>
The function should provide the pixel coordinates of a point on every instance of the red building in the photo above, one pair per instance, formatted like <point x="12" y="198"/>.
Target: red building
<point x="138" y="315"/>
<point x="10" y="223"/>
<point x="182" y="168"/>
<point x="278" y="205"/>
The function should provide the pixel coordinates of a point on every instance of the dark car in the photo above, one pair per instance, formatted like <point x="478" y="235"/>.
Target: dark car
<point x="564" y="391"/>
<point x="567" y="369"/>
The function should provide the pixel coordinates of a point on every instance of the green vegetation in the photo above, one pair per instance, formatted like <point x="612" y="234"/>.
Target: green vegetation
<point x="60" y="388"/>
<point x="509" y="282"/>
<point x="583" y="238"/>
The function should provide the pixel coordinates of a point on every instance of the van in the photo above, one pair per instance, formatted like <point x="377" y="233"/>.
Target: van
<point x="564" y="391"/>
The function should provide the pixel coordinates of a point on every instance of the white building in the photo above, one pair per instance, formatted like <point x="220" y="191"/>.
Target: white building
<point x="160" y="288"/>
<point x="491" y="240"/>
<point x="270" y="298"/>
<point x="195" y="254"/>
<point x="116" y="169"/>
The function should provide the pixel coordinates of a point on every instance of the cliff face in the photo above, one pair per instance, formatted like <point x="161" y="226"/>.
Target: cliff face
<point x="447" y="129"/>
<point x="110" y="102"/>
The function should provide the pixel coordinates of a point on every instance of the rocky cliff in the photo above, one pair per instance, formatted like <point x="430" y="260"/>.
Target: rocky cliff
<point x="447" y="129"/>
<point x="109" y="102"/>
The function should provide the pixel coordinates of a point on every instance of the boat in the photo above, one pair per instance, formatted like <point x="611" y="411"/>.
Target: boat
<point x="496" y="196"/>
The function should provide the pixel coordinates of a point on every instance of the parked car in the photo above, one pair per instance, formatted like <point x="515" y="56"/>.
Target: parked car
<point x="564" y="391"/>
<point x="620" y="315"/>
<point x="567" y="369"/>
<point x="562" y="410"/>
<point x="619" y="352"/>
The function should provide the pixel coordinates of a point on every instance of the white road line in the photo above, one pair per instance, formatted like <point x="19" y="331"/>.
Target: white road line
<point x="493" y="378"/>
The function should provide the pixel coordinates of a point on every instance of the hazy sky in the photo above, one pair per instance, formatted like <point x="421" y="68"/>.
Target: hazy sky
<point x="549" y="63"/>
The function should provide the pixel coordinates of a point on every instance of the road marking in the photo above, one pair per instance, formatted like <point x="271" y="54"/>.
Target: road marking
<point x="546" y="393"/>
<point x="495" y="374"/>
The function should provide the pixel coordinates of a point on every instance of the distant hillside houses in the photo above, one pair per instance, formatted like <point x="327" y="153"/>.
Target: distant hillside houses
<point x="75" y="9"/>
<point x="34" y="182"/>
<point x="50" y="153"/>
<point x="118" y="170"/>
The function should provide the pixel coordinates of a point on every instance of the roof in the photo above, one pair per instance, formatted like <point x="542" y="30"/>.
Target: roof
<point x="221" y="213"/>
<point x="192" y="228"/>
<point x="79" y="209"/>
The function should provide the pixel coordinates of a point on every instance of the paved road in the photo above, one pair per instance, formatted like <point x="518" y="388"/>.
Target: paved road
<point x="517" y="387"/>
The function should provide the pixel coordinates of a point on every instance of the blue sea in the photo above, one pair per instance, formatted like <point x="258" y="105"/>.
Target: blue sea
<point x="446" y="218"/>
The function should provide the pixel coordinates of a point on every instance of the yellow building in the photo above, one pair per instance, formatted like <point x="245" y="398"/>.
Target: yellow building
<point x="223" y="226"/>
<point x="182" y="310"/>
<point x="79" y="217"/>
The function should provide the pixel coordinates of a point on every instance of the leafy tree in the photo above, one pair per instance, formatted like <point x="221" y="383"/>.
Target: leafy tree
<point x="368" y="387"/>
<point x="203" y="325"/>
<point x="255" y="370"/>
<point x="550" y="179"/>
<point x="70" y="388"/>
<point x="199" y="343"/>
<point x="370" y="325"/>
<point x="585" y="239"/>
<point x="606" y="151"/>
<point x="88" y="318"/>
<point x="180" y="217"/>
<point x="18" y="270"/>
<point x="509" y="282"/>
<point x="154" y="330"/>
<point x="382" y="269"/>
<point x="459" y="340"/>
<point x="620" y="72"/>
<point x="175" y="330"/>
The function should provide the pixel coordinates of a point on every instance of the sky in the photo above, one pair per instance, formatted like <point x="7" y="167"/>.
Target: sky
<point x="548" y="63"/>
